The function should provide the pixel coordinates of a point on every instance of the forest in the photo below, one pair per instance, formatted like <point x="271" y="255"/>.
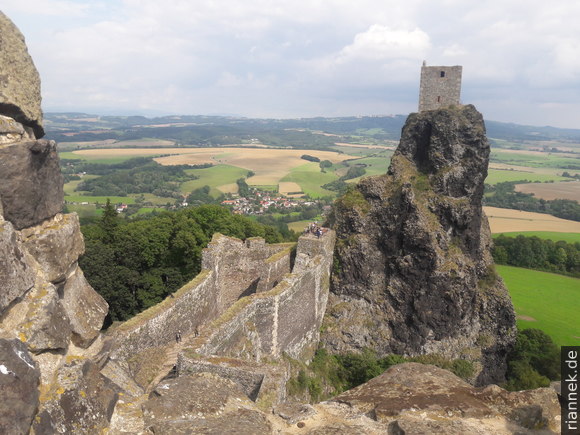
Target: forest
<point x="136" y="264"/>
<point x="540" y="254"/>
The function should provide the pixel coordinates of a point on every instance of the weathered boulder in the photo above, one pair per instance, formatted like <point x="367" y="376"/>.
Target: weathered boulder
<point x="12" y="131"/>
<point x="40" y="320"/>
<point x="31" y="185"/>
<point x="413" y="272"/>
<point x="416" y="398"/>
<point x="19" y="379"/>
<point x="62" y="235"/>
<point x="85" y="308"/>
<point x="16" y="274"/>
<point x="19" y="80"/>
<point x="80" y="401"/>
<point x="203" y="403"/>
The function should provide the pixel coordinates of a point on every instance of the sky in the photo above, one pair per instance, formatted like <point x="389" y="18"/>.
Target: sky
<point x="302" y="58"/>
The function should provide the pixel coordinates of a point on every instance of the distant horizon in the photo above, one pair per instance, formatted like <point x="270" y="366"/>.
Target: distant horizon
<point x="163" y="114"/>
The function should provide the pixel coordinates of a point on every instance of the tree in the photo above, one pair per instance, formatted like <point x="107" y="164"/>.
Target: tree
<point x="534" y="361"/>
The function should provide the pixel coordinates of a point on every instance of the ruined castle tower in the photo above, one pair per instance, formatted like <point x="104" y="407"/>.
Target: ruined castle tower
<point x="440" y="86"/>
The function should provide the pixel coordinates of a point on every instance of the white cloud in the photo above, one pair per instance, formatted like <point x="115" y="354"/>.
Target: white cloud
<point x="382" y="43"/>
<point x="299" y="58"/>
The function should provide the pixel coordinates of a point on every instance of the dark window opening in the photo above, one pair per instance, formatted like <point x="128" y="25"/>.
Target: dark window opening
<point x="442" y="73"/>
<point x="438" y="99"/>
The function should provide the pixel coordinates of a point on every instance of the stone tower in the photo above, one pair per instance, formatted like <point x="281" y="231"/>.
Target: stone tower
<point x="440" y="86"/>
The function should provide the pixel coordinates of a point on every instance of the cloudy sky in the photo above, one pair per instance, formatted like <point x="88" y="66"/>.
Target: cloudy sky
<point x="302" y="58"/>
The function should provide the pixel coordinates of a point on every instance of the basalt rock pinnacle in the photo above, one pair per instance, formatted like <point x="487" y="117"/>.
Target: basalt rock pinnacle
<point x="413" y="272"/>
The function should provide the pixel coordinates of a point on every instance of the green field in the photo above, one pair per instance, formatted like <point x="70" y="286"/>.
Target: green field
<point x="535" y="160"/>
<point x="310" y="179"/>
<point x="553" y="301"/>
<point x="495" y="176"/>
<point x="99" y="199"/>
<point x="549" y="235"/>
<point x="213" y="177"/>
<point x="96" y="159"/>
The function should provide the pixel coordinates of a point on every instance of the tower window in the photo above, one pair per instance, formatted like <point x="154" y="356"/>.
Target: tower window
<point x="439" y="99"/>
<point x="442" y="73"/>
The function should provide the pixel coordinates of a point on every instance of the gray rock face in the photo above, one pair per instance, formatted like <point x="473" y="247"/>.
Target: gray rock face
<point x="413" y="270"/>
<point x="19" y="80"/>
<point x="19" y="379"/>
<point x="30" y="182"/>
<point x="43" y="323"/>
<point x="81" y="401"/>
<point x="85" y="308"/>
<point x="61" y="235"/>
<point x="16" y="275"/>
<point x="218" y="406"/>
<point x="415" y="398"/>
<point x="12" y="131"/>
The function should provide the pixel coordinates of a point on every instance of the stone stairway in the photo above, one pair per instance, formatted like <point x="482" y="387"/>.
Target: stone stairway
<point x="167" y="366"/>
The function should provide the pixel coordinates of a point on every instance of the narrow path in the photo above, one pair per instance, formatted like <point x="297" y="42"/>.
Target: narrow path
<point x="170" y="360"/>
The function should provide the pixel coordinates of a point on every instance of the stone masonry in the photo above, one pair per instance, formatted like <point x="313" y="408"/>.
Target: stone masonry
<point x="440" y="87"/>
<point x="231" y="269"/>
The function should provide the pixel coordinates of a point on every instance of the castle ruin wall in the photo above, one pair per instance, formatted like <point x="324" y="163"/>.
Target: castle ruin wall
<point x="285" y="319"/>
<point x="231" y="267"/>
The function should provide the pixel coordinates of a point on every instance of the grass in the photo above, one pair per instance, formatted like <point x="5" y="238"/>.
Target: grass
<point x="310" y="179"/>
<point x="99" y="199"/>
<point x="533" y="159"/>
<point x="213" y="177"/>
<point x="96" y="159"/>
<point x="553" y="301"/>
<point x="549" y="235"/>
<point x="495" y="176"/>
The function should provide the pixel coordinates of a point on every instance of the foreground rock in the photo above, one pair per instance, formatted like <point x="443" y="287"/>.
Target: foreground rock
<point x="414" y="398"/>
<point x="19" y="378"/>
<point x="30" y="182"/>
<point x="413" y="270"/>
<point x="20" y="90"/>
<point x="218" y="406"/>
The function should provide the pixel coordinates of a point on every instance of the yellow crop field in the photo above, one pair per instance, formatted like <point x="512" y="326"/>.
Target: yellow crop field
<point x="561" y="190"/>
<point x="228" y="188"/>
<point x="269" y="165"/>
<point x="503" y="220"/>
<point x="285" y="187"/>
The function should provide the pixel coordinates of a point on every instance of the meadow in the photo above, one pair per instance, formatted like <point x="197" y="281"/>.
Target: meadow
<point x="545" y="301"/>
<point x="548" y="235"/>
<point x="495" y="176"/>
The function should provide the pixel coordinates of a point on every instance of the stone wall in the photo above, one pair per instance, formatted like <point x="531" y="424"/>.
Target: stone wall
<point x="285" y="319"/>
<point x="231" y="269"/>
<point x="440" y="87"/>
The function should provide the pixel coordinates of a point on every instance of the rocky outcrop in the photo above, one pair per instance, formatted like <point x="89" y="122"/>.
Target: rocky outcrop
<point x="19" y="379"/>
<point x="414" y="398"/>
<point x="79" y="400"/>
<point x="30" y="182"/>
<point x="218" y="407"/>
<point x="413" y="272"/>
<point x="19" y="80"/>
<point x="50" y="317"/>
<point x="60" y="234"/>
<point x="16" y="274"/>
